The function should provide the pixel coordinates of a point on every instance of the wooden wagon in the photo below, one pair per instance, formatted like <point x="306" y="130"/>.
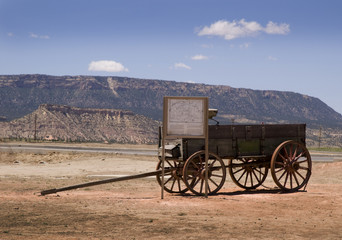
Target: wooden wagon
<point x="249" y="152"/>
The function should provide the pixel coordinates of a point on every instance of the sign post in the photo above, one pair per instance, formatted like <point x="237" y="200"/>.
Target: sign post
<point x="185" y="117"/>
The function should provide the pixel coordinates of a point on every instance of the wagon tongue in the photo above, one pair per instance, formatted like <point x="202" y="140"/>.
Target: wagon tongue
<point x="111" y="180"/>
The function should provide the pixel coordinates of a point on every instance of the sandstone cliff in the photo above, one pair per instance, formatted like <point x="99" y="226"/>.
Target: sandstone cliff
<point x="56" y="122"/>
<point x="22" y="94"/>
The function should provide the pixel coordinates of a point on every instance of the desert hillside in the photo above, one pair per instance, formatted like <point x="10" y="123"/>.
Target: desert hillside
<point x="64" y="123"/>
<point x="22" y="94"/>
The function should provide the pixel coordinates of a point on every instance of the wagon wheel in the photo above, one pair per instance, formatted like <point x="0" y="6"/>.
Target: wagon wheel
<point x="194" y="173"/>
<point x="291" y="166"/>
<point x="246" y="173"/>
<point x="173" y="181"/>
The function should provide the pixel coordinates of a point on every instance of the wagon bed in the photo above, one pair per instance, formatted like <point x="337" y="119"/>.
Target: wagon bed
<point x="249" y="152"/>
<point x="238" y="141"/>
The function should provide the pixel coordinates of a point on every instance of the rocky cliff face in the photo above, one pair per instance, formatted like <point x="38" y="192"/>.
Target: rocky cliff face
<point x="65" y="123"/>
<point x="22" y="94"/>
<point x="56" y="122"/>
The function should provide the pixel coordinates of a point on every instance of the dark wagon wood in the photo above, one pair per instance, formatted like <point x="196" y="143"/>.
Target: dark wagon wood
<point x="249" y="152"/>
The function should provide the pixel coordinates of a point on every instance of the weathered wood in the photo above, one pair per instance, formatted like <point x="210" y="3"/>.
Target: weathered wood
<point x="111" y="180"/>
<point x="234" y="141"/>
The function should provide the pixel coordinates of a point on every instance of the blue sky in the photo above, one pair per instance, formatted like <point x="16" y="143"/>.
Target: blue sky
<point x="259" y="44"/>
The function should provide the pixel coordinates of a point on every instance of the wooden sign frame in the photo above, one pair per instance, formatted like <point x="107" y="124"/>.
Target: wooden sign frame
<point x="185" y="117"/>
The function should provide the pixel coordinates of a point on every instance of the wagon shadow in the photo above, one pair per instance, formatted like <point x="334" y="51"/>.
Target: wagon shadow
<point x="257" y="191"/>
<point x="248" y="192"/>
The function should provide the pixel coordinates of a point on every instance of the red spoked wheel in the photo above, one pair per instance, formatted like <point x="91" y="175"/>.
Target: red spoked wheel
<point x="291" y="166"/>
<point x="173" y="180"/>
<point x="194" y="173"/>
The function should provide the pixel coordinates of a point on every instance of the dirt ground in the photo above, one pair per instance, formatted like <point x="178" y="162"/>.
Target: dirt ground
<point x="134" y="209"/>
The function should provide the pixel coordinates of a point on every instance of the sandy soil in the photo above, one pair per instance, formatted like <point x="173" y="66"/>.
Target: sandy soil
<point x="134" y="210"/>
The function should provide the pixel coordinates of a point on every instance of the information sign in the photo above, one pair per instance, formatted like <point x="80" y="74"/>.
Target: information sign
<point x="185" y="116"/>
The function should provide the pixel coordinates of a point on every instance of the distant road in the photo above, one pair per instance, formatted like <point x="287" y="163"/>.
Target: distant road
<point x="315" y="155"/>
<point x="44" y="148"/>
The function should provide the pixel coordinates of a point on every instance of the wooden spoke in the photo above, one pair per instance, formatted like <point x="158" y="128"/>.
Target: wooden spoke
<point x="245" y="174"/>
<point x="211" y="180"/>
<point x="246" y="178"/>
<point x="286" y="154"/>
<point x="168" y="180"/>
<point x="195" y="165"/>
<point x="251" y="177"/>
<point x="216" y="175"/>
<point x="200" y="158"/>
<point x="280" y="163"/>
<point x="196" y="182"/>
<point x="242" y="175"/>
<point x="304" y="168"/>
<point x="295" y="153"/>
<point x="300" y="175"/>
<point x="280" y="169"/>
<point x="298" y="163"/>
<point x="166" y="161"/>
<point x="212" y="164"/>
<point x="287" y="175"/>
<point x="295" y="177"/>
<point x="179" y="185"/>
<point x="202" y="181"/>
<point x="298" y="157"/>
<point x="282" y="175"/>
<point x="290" y="154"/>
<point x="241" y="169"/>
<point x="173" y="184"/>
<point x="173" y="177"/>
<point x="303" y="161"/>
<point x="260" y="172"/>
<point x="282" y="157"/>
<point x="256" y="177"/>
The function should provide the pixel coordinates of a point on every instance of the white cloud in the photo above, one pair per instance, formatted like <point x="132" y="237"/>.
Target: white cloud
<point x="199" y="57"/>
<point x="33" y="35"/>
<point x="271" y="58"/>
<point x="181" y="66"/>
<point x="273" y="28"/>
<point x="239" y="29"/>
<point x="106" y="66"/>
<point x="10" y="34"/>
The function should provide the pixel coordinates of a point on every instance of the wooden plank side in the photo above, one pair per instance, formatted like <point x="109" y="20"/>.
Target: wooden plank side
<point x="248" y="147"/>
<point x="220" y="131"/>
<point x="229" y="141"/>
<point x="285" y="130"/>
<point x="256" y="131"/>
<point x="272" y="143"/>
<point x="221" y="147"/>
